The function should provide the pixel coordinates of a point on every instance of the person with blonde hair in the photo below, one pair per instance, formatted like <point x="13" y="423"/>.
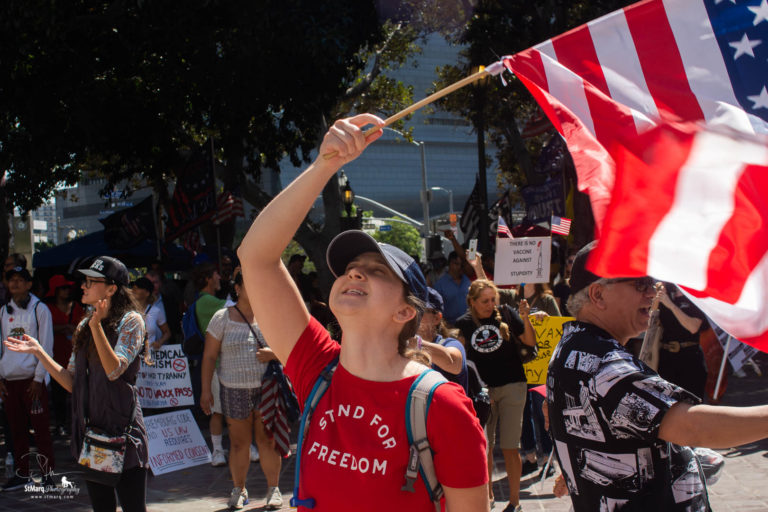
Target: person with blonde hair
<point x="488" y="332"/>
<point x="355" y="450"/>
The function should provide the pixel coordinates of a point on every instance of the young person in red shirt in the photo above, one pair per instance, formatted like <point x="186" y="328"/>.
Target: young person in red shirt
<point x="355" y="452"/>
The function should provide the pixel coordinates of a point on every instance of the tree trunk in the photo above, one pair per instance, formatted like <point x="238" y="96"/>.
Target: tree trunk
<point x="5" y="223"/>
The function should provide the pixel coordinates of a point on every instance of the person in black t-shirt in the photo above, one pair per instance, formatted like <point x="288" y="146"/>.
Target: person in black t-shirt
<point x="681" y="360"/>
<point x="486" y="331"/>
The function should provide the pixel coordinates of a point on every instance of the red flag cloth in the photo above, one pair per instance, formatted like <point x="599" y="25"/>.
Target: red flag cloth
<point x="609" y="80"/>
<point x="690" y="207"/>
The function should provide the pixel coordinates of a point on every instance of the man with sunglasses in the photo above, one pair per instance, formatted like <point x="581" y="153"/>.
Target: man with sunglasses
<point x="621" y="431"/>
<point x="22" y="378"/>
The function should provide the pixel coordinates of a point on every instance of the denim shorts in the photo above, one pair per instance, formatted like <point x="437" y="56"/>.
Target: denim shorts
<point x="239" y="403"/>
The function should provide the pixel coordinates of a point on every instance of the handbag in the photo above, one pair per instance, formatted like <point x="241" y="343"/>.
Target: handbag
<point x="275" y="371"/>
<point x="102" y="455"/>
<point x="526" y="353"/>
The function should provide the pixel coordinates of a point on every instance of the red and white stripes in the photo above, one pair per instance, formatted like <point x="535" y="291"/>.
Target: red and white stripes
<point x="607" y="81"/>
<point x="702" y="196"/>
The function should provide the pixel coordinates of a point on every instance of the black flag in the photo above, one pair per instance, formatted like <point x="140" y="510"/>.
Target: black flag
<point x="127" y="228"/>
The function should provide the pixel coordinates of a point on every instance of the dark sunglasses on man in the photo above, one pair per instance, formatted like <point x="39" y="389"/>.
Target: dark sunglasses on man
<point x="642" y="284"/>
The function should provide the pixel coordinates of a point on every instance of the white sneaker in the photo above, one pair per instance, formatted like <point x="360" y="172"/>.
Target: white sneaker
<point x="274" y="499"/>
<point x="238" y="498"/>
<point x="218" y="458"/>
<point x="254" y="454"/>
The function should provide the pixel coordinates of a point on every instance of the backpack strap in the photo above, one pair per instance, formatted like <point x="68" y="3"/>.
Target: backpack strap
<point x="321" y="386"/>
<point x="420" y="454"/>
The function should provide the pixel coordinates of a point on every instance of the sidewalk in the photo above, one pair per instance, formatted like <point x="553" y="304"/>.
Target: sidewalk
<point x="204" y="488"/>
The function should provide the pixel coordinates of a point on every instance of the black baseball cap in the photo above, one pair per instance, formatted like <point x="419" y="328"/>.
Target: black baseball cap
<point x="21" y="271"/>
<point x="580" y="276"/>
<point x="350" y="244"/>
<point x="109" y="268"/>
<point x="144" y="284"/>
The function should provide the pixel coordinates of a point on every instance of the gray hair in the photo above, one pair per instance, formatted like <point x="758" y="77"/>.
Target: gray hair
<point x="579" y="299"/>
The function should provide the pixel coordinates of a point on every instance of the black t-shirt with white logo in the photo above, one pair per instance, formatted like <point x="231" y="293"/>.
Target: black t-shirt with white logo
<point x="496" y="359"/>
<point x="605" y="410"/>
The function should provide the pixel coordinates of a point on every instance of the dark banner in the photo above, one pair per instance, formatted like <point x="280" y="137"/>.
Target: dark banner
<point x="128" y="228"/>
<point x="543" y="201"/>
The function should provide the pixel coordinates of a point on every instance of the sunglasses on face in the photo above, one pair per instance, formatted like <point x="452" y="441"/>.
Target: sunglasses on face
<point x="642" y="284"/>
<point x="90" y="282"/>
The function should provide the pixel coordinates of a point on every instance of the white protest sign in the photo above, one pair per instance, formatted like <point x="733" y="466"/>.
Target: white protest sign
<point x="522" y="260"/>
<point x="165" y="383"/>
<point x="738" y="352"/>
<point x="175" y="442"/>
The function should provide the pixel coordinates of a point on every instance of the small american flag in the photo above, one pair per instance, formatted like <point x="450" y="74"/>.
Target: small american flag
<point x="561" y="225"/>
<point x="502" y="231"/>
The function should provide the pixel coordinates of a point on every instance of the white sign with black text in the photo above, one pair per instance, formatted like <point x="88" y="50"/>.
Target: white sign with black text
<point x="522" y="260"/>
<point x="175" y="442"/>
<point x="166" y="382"/>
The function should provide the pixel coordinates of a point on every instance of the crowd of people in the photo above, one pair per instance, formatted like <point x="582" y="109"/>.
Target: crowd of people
<point x="359" y="359"/>
<point x="90" y="333"/>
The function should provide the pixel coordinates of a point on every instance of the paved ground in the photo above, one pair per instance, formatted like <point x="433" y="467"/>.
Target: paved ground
<point x="742" y="486"/>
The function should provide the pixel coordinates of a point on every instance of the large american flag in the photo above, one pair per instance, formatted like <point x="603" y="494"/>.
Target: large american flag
<point x="607" y="81"/>
<point x="674" y="93"/>
<point x="690" y="206"/>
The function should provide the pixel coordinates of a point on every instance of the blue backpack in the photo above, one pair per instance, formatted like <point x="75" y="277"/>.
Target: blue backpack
<point x="194" y="340"/>
<point x="416" y="407"/>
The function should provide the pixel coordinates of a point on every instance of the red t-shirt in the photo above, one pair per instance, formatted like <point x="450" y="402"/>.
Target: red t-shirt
<point x="356" y="449"/>
<point x="62" y="344"/>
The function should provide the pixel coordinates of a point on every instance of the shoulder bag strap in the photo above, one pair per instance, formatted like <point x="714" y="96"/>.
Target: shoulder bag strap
<point x="321" y="386"/>
<point x="258" y="339"/>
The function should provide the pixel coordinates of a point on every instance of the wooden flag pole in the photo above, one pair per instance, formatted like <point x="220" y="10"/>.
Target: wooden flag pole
<point x="493" y="69"/>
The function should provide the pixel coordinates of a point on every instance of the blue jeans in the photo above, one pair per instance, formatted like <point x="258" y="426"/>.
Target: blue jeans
<point x="533" y="426"/>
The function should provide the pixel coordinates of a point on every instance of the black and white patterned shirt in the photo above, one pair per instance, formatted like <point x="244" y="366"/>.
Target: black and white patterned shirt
<point x="605" y="410"/>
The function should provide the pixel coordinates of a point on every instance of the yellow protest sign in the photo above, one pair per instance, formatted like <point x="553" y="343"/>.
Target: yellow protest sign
<point x="548" y="331"/>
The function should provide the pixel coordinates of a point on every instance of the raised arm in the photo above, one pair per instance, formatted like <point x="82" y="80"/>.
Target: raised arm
<point x="690" y="323"/>
<point x="477" y="266"/>
<point x="276" y="302"/>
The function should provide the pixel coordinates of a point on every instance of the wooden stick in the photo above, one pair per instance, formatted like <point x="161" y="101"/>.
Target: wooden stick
<point x="419" y="104"/>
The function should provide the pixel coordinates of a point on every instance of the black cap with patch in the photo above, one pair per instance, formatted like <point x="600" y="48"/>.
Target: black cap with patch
<point x="109" y="268"/>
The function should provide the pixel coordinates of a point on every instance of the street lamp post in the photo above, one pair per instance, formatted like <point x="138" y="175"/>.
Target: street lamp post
<point x="348" y="199"/>
<point x="425" y="194"/>
<point x="479" y="87"/>
<point x="450" y="197"/>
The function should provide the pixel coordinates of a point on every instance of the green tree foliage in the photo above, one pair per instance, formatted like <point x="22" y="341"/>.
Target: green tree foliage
<point x="403" y="236"/>
<point x="127" y="89"/>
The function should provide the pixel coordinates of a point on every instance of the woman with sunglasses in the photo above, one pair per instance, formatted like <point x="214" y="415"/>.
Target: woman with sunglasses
<point x="356" y="450"/>
<point x="101" y="375"/>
